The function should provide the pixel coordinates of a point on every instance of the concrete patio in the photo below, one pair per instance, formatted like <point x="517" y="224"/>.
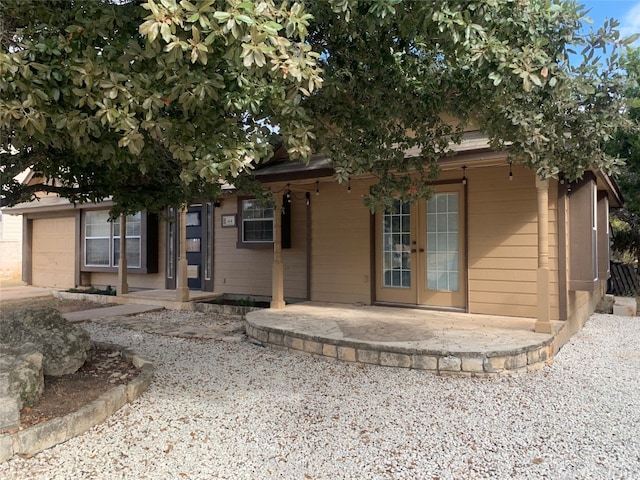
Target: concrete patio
<point x="448" y="343"/>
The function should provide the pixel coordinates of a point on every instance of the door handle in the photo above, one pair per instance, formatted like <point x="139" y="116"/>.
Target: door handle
<point x="413" y="250"/>
<point x="421" y="250"/>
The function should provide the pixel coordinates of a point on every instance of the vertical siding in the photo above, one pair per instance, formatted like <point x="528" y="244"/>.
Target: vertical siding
<point x="503" y="242"/>
<point x="248" y="271"/>
<point x="54" y="253"/>
<point x="341" y="252"/>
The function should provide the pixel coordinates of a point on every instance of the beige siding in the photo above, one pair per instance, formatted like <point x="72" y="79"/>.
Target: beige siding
<point x="10" y="246"/>
<point x="247" y="271"/>
<point x="53" y="246"/>
<point x="503" y="242"/>
<point x="341" y="226"/>
<point x="502" y="245"/>
<point x="151" y="281"/>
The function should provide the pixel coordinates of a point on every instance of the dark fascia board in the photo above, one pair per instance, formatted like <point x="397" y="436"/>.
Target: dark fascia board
<point x="608" y="183"/>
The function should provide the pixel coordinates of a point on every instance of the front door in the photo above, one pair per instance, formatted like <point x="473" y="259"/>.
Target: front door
<point x="194" y="247"/>
<point x="420" y="251"/>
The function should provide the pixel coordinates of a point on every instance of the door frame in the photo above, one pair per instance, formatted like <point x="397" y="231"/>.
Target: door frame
<point x="413" y="297"/>
<point x="172" y="249"/>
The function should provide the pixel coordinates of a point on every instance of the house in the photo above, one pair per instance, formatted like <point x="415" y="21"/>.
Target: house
<point x="493" y="239"/>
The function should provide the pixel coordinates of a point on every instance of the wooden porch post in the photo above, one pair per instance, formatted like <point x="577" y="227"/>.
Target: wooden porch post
<point x="123" y="286"/>
<point x="543" y="322"/>
<point x="182" y="288"/>
<point x="277" y="275"/>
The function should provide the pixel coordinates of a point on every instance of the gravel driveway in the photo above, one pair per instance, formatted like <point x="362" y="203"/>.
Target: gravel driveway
<point x="238" y="411"/>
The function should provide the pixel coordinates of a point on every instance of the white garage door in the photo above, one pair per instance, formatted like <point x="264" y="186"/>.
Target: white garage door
<point x="53" y="252"/>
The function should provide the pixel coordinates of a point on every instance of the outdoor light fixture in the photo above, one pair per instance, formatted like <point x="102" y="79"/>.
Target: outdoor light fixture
<point x="464" y="174"/>
<point x="510" y="170"/>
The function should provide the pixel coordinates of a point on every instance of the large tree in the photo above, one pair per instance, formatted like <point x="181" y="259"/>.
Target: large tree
<point x="106" y="95"/>
<point x="103" y="97"/>
<point x="626" y="144"/>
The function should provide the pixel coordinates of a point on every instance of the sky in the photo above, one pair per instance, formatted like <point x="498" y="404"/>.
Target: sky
<point x="627" y="12"/>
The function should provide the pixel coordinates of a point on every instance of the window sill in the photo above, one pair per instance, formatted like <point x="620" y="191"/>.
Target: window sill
<point x="255" y="246"/>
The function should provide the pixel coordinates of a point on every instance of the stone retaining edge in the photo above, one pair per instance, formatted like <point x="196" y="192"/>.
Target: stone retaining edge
<point x="45" y="435"/>
<point x="469" y="364"/>
<point x="88" y="297"/>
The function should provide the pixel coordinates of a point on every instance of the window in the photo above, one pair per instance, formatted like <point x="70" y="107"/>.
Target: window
<point x="133" y="239"/>
<point x="257" y="222"/>
<point x="442" y="242"/>
<point x="396" y="238"/>
<point x="97" y="239"/>
<point x="101" y="239"/>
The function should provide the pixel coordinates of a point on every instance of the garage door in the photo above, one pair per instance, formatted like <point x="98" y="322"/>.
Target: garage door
<point x="53" y="252"/>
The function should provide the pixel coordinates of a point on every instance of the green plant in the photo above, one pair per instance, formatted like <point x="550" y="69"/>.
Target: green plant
<point x="245" y="302"/>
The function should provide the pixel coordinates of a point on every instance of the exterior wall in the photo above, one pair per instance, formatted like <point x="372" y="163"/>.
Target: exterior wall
<point x="503" y="243"/>
<point x="581" y="303"/>
<point x="56" y="256"/>
<point x="580" y="306"/>
<point x="247" y="271"/>
<point x="53" y="246"/>
<point x="10" y="246"/>
<point x="341" y="246"/>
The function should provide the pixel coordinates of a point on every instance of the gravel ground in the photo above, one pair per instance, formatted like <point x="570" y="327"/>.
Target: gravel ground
<point x="238" y="411"/>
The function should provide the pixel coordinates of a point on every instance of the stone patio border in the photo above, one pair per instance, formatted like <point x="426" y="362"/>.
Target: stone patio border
<point x="45" y="435"/>
<point x="469" y="364"/>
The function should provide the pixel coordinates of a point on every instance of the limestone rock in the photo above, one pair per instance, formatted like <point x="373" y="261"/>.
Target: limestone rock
<point x="64" y="346"/>
<point x="21" y="382"/>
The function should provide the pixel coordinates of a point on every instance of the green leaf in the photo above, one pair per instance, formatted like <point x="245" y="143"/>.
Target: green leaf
<point x="246" y="19"/>
<point x="221" y="16"/>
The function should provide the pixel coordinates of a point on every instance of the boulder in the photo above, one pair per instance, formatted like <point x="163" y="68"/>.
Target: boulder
<point x="64" y="346"/>
<point x="21" y="382"/>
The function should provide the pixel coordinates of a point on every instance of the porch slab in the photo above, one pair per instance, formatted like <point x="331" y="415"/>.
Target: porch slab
<point x="446" y="343"/>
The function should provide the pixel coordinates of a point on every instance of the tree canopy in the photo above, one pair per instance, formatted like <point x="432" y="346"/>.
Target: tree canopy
<point x="626" y="144"/>
<point x="156" y="102"/>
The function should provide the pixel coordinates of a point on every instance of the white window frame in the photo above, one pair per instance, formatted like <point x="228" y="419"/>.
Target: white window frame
<point x="112" y="238"/>
<point x="263" y="218"/>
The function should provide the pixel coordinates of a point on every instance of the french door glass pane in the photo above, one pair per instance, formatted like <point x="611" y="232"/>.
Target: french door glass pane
<point x="396" y="244"/>
<point x="442" y="242"/>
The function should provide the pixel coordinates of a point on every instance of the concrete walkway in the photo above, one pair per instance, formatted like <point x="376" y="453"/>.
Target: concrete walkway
<point x="23" y="291"/>
<point x="108" y="312"/>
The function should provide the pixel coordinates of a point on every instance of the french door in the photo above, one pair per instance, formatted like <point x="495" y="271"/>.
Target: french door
<point x="420" y="251"/>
